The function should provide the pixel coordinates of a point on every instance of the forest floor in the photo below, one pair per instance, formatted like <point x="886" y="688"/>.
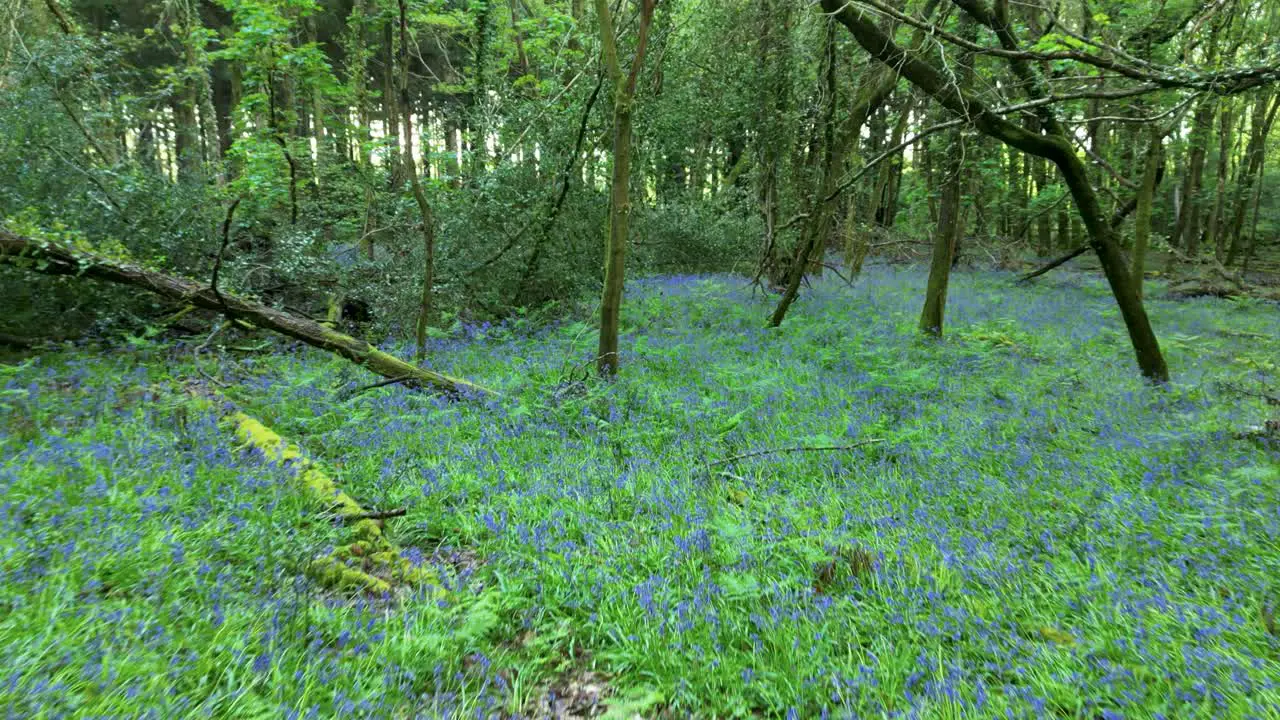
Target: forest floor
<point x="1037" y="532"/>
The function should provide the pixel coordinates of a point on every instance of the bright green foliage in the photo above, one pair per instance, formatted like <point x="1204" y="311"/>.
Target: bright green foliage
<point x="1038" y="528"/>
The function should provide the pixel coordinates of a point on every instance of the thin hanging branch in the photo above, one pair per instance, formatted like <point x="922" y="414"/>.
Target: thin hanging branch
<point x="222" y="250"/>
<point x="565" y="176"/>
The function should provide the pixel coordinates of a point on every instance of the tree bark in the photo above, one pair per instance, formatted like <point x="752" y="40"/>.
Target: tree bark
<point x="186" y="134"/>
<point x="624" y="90"/>
<point x="1187" y="231"/>
<point x="1260" y="127"/>
<point x="1117" y="219"/>
<point x="773" y="107"/>
<point x="426" y="309"/>
<point x="1044" y="232"/>
<point x="871" y="94"/>
<point x="1214" y="234"/>
<point x="390" y="114"/>
<point x="55" y="258"/>
<point x="1142" y="220"/>
<point x="886" y="192"/>
<point x="946" y="236"/>
<point x="225" y="99"/>
<point x="950" y="218"/>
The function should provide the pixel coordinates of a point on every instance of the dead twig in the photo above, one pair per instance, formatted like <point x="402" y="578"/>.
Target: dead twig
<point x="794" y="449"/>
<point x="1246" y="392"/>
<point x="195" y="355"/>
<point x="1054" y="263"/>
<point x="375" y="515"/>
<point x="836" y="270"/>
<point x="374" y="386"/>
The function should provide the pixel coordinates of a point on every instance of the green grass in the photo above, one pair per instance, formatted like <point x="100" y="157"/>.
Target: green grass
<point x="1038" y="532"/>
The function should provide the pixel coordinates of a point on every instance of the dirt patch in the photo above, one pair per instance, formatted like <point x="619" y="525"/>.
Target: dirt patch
<point x="577" y="695"/>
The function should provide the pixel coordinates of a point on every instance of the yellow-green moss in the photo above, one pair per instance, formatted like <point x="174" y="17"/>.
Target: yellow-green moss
<point x="331" y="572"/>
<point x="257" y="435"/>
<point x="348" y="567"/>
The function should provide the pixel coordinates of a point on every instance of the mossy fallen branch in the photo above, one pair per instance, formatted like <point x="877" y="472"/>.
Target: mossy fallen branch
<point x="53" y="257"/>
<point x="369" y="562"/>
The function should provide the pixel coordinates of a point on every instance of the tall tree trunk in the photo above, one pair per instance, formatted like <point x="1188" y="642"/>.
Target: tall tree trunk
<point x="950" y="222"/>
<point x="1016" y="195"/>
<point x="390" y="114"/>
<point x="317" y="112"/>
<point x="1064" y="230"/>
<point x="477" y="160"/>
<point x="894" y="181"/>
<point x="225" y="101"/>
<point x="452" y="168"/>
<point x="1253" y="231"/>
<point x="946" y="236"/>
<point x="1187" y="231"/>
<point x="818" y="225"/>
<point x="146" y="148"/>
<point x="1044" y="230"/>
<point x="624" y="89"/>
<point x="930" y="174"/>
<point x="1259" y="127"/>
<point x="1214" y="235"/>
<point x="426" y="309"/>
<point x="198" y="90"/>
<point x="773" y="66"/>
<point x="1142" y="217"/>
<point x="885" y="195"/>
<point x="279" y="100"/>
<point x="186" y="135"/>
<point x="873" y="91"/>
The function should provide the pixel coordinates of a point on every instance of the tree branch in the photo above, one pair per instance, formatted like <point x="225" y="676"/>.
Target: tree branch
<point x="797" y="448"/>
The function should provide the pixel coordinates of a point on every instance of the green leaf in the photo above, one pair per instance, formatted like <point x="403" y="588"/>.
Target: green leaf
<point x="633" y="703"/>
<point x="739" y="585"/>
<point x="732" y="423"/>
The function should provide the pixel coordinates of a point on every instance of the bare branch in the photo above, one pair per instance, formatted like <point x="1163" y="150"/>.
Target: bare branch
<point x="795" y="449"/>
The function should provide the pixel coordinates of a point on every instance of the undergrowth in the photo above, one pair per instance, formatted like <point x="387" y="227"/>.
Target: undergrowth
<point x="1037" y="533"/>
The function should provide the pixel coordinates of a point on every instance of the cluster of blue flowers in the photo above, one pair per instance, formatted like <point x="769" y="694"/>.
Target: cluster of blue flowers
<point x="1037" y="533"/>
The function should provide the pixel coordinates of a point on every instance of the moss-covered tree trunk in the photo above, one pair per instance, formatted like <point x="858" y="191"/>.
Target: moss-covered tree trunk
<point x="186" y="135"/>
<point x="390" y="113"/>
<point x="874" y="89"/>
<point x="1261" y="120"/>
<point x="1214" y="235"/>
<point x="950" y="217"/>
<point x="624" y="89"/>
<point x="1044" y="231"/>
<point x="1187" y="231"/>
<point x="946" y="235"/>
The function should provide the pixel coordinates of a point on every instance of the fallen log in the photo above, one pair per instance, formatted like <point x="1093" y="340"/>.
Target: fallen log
<point x="57" y="258"/>
<point x="1207" y="287"/>
<point x="370" y="562"/>
<point x="16" y="342"/>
